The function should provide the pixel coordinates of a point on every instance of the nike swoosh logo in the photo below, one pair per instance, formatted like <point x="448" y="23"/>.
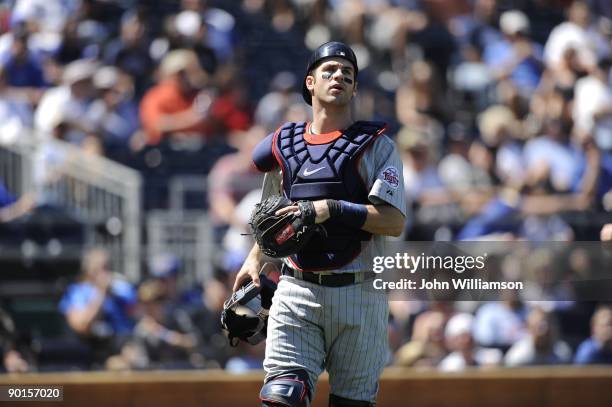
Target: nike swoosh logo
<point x="308" y="172"/>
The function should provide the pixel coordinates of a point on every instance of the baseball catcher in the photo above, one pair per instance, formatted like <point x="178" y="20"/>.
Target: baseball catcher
<point x="333" y="190"/>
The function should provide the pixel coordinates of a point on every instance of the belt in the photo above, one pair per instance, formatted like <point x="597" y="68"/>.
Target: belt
<point x="328" y="280"/>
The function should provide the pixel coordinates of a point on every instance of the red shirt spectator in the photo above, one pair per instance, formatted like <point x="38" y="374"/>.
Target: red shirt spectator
<point x="170" y="107"/>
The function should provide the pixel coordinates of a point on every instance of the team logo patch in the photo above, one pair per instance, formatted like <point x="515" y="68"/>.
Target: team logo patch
<point x="391" y="177"/>
<point x="287" y="233"/>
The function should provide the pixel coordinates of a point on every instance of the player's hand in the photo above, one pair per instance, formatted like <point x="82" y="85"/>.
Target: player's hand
<point x="321" y="210"/>
<point x="250" y="268"/>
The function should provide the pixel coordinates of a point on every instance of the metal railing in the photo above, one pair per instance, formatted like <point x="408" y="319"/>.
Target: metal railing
<point x="186" y="235"/>
<point x="93" y="188"/>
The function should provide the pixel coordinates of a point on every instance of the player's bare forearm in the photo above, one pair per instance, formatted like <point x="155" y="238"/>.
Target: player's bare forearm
<point x="250" y="268"/>
<point x="381" y="219"/>
<point x="384" y="220"/>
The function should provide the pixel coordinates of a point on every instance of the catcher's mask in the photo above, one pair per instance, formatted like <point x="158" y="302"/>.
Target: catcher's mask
<point x="245" y="313"/>
<point x="328" y="50"/>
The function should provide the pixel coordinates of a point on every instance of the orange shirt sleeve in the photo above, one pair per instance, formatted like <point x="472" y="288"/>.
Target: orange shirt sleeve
<point x="163" y="99"/>
<point x="150" y="112"/>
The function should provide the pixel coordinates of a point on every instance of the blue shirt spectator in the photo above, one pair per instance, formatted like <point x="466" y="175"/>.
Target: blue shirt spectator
<point x="99" y="305"/>
<point x="21" y="66"/>
<point x="592" y="352"/>
<point x="496" y="217"/>
<point x="605" y="176"/>
<point x="598" y="348"/>
<point x="26" y="72"/>
<point x="115" y="308"/>
<point x="565" y="161"/>
<point x="6" y="198"/>
<point x="499" y="324"/>
<point x="515" y="56"/>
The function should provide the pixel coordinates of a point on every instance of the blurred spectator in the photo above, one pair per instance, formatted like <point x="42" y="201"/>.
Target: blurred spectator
<point x="458" y="170"/>
<point x="426" y="35"/>
<point x="130" y="51"/>
<point x="114" y="113"/>
<point x="213" y="341"/>
<point x="15" y="357"/>
<point x="455" y="168"/>
<point x="515" y="56"/>
<point x="601" y="8"/>
<point x="419" y="102"/>
<point x="15" y="113"/>
<point x="193" y="35"/>
<point x="235" y="244"/>
<point x="426" y="347"/>
<point x="421" y="179"/>
<point x="72" y="45"/>
<point x="606" y="233"/>
<point x="500" y="133"/>
<point x="464" y="353"/>
<point x="426" y="194"/>
<point x="232" y="109"/>
<point x="553" y="160"/>
<point x="218" y="31"/>
<point x="68" y="103"/>
<point x="165" y="268"/>
<point x="247" y="357"/>
<point x="234" y="176"/>
<point x="165" y="344"/>
<point x="272" y="108"/>
<point x="22" y="67"/>
<point x="576" y="34"/>
<point x="592" y="111"/>
<point x="175" y="105"/>
<point x="539" y="271"/>
<point x="49" y="14"/>
<point x="12" y="207"/>
<point x="100" y="307"/>
<point x="477" y="31"/>
<point x="500" y="324"/>
<point x="598" y="348"/>
<point x="541" y="346"/>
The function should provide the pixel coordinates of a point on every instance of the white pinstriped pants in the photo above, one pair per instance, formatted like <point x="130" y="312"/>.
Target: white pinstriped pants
<point x="341" y="329"/>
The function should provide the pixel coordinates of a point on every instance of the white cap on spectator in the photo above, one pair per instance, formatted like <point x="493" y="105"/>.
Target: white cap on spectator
<point x="187" y="23"/>
<point x="79" y="70"/>
<point x="514" y="21"/>
<point x="106" y="77"/>
<point x="494" y="119"/>
<point x="178" y="60"/>
<point x="459" y="324"/>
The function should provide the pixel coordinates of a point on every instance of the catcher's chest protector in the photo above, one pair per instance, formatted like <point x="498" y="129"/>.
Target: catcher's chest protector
<point x="321" y="171"/>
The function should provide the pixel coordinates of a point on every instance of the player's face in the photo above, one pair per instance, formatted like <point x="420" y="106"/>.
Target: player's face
<point x="333" y="82"/>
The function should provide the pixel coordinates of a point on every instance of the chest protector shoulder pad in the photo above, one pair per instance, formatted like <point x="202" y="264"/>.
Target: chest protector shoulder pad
<point x="322" y="171"/>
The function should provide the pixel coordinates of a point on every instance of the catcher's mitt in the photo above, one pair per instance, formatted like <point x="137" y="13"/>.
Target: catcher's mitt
<point x="282" y="236"/>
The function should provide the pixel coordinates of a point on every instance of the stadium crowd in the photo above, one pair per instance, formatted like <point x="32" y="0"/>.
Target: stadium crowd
<point x="502" y="112"/>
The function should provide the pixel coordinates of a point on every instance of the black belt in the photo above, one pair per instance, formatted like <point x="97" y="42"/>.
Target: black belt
<point x="328" y="280"/>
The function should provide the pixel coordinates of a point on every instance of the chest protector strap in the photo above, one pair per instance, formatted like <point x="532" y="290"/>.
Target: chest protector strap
<point x="321" y="171"/>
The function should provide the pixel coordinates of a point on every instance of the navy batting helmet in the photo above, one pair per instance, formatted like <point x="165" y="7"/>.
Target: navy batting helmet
<point x="328" y="50"/>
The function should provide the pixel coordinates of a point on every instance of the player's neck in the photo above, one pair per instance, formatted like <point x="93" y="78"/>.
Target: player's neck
<point x="330" y="118"/>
